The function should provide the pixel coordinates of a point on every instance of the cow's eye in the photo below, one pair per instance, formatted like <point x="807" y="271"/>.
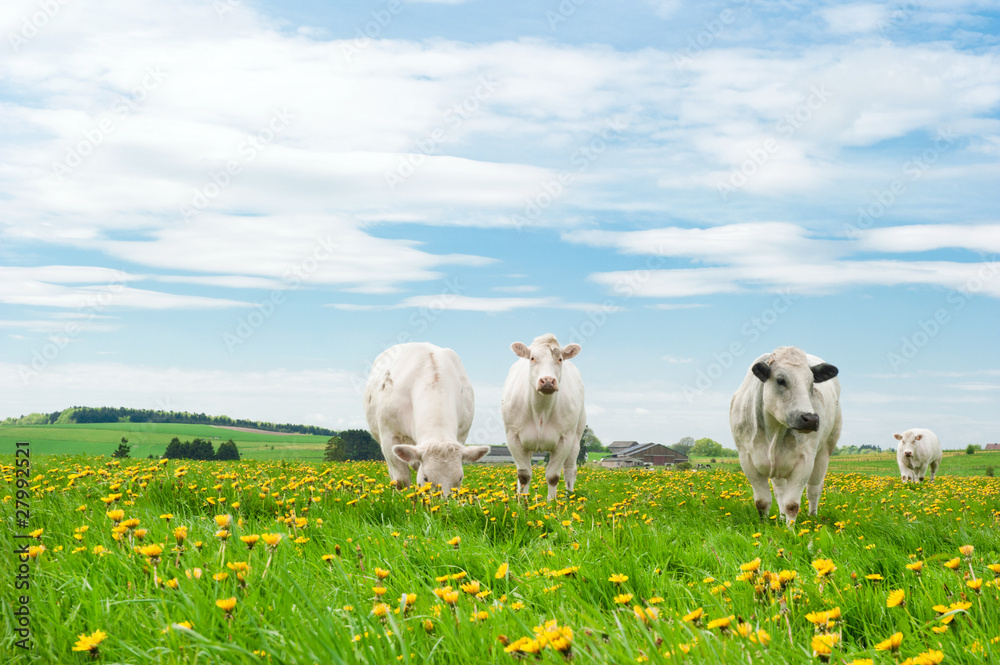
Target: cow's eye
<point x="533" y="359"/>
<point x="781" y="382"/>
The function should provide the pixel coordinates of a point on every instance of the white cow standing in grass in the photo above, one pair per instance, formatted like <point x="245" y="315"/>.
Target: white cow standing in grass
<point x="918" y="454"/>
<point x="786" y="420"/>
<point x="542" y="410"/>
<point x="419" y="405"/>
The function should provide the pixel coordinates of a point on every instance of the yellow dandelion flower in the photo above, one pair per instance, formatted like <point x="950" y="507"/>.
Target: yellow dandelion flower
<point x="891" y="644"/>
<point x="694" y="616"/>
<point x="90" y="642"/>
<point x="226" y="604"/>
<point x="379" y="590"/>
<point x="929" y="657"/>
<point x="995" y="567"/>
<point x="220" y="577"/>
<point x="455" y="541"/>
<point x="722" y="622"/>
<point x="966" y="550"/>
<point x="501" y="572"/>
<point x="953" y="563"/>
<point x="450" y="597"/>
<point x="623" y="598"/>
<point x="223" y="521"/>
<point x="250" y="540"/>
<point x="381" y="573"/>
<point x="823" y="567"/>
<point x="471" y="587"/>
<point x="752" y="566"/>
<point x="271" y="539"/>
<point x="822" y="645"/>
<point x="895" y="598"/>
<point x="116" y="515"/>
<point x="874" y="577"/>
<point x="975" y="585"/>
<point x="916" y="566"/>
<point x="380" y="609"/>
<point x="618" y="578"/>
<point x="151" y="551"/>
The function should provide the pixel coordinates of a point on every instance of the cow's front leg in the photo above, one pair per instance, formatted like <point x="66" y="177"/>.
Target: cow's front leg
<point x="815" y="487"/>
<point x="553" y="470"/>
<point x="758" y="481"/>
<point x="522" y="459"/>
<point x="399" y="470"/>
<point x="569" y="466"/>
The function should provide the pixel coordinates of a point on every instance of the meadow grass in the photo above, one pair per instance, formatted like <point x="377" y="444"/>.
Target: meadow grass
<point x="617" y="567"/>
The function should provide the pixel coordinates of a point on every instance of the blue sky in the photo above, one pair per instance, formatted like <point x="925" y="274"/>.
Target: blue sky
<point x="233" y="207"/>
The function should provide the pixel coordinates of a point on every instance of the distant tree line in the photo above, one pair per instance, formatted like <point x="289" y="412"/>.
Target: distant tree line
<point x="110" y="414"/>
<point x="201" y="449"/>
<point x="703" y="448"/>
<point x="866" y="449"/>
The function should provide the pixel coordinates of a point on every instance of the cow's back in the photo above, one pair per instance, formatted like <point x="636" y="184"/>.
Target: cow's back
<point x="417" y="382"/>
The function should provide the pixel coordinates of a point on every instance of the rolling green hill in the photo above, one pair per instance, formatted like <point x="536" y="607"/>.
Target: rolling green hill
<point x="152" y="439"/>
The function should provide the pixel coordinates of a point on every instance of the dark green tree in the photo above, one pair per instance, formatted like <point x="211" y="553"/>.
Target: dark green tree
<point x="177" y="450"/>
<point x="334" y="450"/>
<point x="684" y="445"/>
<point x="594" y="444"/>
<point x="227" y="451"/>
<point x="201" y="449"/>
<point x="359" y="445"/>
<point x="123" y="449"/>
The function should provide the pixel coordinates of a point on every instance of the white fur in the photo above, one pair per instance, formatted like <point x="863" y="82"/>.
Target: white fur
<point x="419" y="405"/>
<point x="769" y="448"/>
<point x="925" y="454"/>
<point x="535" y="421"/>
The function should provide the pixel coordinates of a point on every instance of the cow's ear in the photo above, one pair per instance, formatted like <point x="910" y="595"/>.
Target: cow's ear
<point x="409" y="454"/>
<point x="761" y="370"/>
<point x="823" y="372"/>
<point x="898" y="437"/>
<point x="570" y="350"/>
<point x="473" y="453"/>
<point x="918" y="437"/>
<point x="520" y="350"/>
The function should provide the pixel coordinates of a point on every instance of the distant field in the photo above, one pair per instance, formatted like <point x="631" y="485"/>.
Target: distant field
<point x="152" y="439"/>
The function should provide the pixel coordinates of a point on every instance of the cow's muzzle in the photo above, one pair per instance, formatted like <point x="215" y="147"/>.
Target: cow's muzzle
<point x="806" y="422"/>
<point x="547" y="385"/>
<point x="908" y="454"/>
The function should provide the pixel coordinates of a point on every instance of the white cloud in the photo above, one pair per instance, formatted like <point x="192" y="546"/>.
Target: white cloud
<point x="450" y="301"/>
<point x="664" y="8"/>
<point x="984" y="238"/>
<point x="857" y="17"/>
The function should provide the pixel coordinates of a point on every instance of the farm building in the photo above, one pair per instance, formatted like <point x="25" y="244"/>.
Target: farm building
<point x="992" y="446"/>
<point x="501" y="455"/>
<point x="618" y="446"/>
<point x="653" y="454"/>
<point x="616" y="462"/>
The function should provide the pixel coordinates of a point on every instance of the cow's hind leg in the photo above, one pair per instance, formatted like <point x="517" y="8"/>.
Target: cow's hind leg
<point x="932" y="470"/>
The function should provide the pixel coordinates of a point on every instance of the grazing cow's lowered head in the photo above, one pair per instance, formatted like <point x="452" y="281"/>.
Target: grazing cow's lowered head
<point x="788" y="384"/>
<point x="546" y="357"/>
<point x="440" y="463"/>
<point x="908" y="442"/>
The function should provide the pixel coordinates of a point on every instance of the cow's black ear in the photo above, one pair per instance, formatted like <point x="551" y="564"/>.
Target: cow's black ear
<point x="761" y="370"/>
<point x="823" y="372"/>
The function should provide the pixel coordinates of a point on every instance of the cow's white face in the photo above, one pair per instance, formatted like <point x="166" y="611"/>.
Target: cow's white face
<point x="907" y="443"/>
<point x="788" y="389"/>
<point x="440" y="464"/>
<point x="545" y="363"/>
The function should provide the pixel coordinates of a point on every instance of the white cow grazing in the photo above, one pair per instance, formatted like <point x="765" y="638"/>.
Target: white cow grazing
<point x="785" y="418"/>
<point x="918" y="454"/>
<point x="419" y="405"/>
<point x="542" y="410"/>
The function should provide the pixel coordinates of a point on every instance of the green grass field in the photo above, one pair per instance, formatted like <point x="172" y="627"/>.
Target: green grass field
<point x="637" y="566"/>
<point x="152" y="439"/>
